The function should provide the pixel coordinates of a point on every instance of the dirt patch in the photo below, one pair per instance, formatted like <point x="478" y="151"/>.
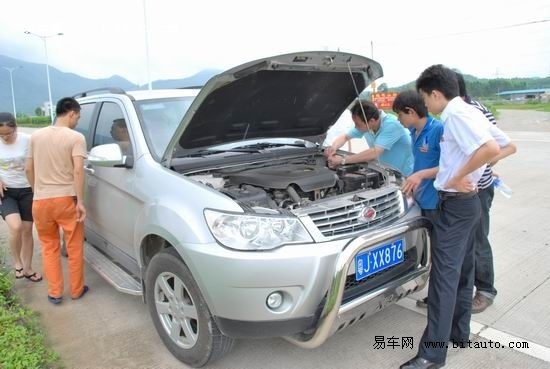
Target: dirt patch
<point x="524" y="120"/>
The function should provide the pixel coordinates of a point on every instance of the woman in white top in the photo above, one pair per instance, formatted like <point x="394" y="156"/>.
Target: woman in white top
<point x="16" y="196"/>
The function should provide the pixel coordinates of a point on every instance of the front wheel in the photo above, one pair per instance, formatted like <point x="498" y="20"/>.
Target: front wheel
<point x="180" y="314"/>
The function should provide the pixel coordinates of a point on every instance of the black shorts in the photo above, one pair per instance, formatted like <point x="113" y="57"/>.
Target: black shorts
<point x="17" y="200"/>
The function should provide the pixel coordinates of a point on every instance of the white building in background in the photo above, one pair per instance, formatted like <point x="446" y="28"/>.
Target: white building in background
<point x="45" y="108"/>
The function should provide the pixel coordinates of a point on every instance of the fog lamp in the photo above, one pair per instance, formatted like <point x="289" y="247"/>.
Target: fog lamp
<point x="274" y="300"/>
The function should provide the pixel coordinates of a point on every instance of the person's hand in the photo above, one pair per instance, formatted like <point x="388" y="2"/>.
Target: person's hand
<point x="334" y="161"/>
<point x="2" y="188"/>
<point x="80" y="212"/>
<point x="411" y="184"/>
<point x="463" y="184"/>
<point x="329" y="151"/>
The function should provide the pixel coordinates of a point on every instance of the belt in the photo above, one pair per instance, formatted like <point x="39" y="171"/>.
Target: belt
<point x="445" y="195"/>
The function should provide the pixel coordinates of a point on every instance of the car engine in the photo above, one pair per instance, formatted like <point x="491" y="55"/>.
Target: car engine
<point x="292" y="184"/>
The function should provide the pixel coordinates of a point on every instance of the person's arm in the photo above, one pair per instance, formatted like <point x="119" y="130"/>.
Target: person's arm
<point x="481" y="156"/>
<point x="360" y="157"/>
<point x="413" y="181"/>
<point x="29" y="171"/>
<point x="505" y="151"/>
<point x="78" y="172"/>
<point x="338" y="142"/>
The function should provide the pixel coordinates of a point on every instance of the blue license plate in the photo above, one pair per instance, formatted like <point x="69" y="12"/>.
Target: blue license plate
<point x="380" y="258"/>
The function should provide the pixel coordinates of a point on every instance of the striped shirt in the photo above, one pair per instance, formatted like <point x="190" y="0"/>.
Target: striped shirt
<point x="486" y="179"/>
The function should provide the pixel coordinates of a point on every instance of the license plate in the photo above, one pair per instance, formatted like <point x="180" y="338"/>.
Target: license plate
<point x="380" y="258"/>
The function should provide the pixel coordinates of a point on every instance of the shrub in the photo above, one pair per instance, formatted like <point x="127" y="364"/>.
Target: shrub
<point x="33" y="121"/>
<point x="22" y="341"/>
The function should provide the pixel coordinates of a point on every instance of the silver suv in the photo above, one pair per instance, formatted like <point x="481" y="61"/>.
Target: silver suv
<point x="218" y="207"/>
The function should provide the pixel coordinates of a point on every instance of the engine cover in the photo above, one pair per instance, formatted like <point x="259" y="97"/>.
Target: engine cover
<point x="307" y="177"/>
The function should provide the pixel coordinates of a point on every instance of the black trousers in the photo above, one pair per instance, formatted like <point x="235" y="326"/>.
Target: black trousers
<point x="485" y="272"/>
<point x="451" y="277"/>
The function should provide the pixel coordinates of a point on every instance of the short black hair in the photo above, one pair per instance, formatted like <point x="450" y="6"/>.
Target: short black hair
<point x="461" y="84"/>
<point x="371" y="111"/>
<point x="438" y="77"/>
<point x="410" y="99"/>
<point x="7" y="119"/>
<point x="66" y="105"/>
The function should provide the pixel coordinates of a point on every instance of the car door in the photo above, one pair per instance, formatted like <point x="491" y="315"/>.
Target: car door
<point x="110" y="204"/>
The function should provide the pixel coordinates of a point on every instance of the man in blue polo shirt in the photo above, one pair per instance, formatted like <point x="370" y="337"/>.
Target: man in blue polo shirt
<point x="388" y="140"/>
<point x="426" y="134"/>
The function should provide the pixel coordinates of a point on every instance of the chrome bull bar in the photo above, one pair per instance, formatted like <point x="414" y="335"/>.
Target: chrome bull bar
<point x="332" y="308"/>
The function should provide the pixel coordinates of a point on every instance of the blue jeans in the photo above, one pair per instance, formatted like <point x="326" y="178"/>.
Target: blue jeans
<point x="484" y="270"/>
<point x="451" y="276"/>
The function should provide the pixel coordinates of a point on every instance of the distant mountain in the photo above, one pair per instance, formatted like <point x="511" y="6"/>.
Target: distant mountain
<point x="488" y="88"/>
<point x="31" y="87"/>
<point x="198" y="79"/>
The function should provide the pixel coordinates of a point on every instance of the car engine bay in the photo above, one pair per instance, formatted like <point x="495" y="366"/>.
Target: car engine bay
<point x="291" y="184"/>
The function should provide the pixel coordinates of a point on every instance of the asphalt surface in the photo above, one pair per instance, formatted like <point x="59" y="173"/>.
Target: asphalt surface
<point x="107" y="329"/>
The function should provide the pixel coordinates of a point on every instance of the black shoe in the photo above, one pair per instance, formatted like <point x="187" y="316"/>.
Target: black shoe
<point x="420" y="363"/>
<point x="55" y="300"/>
<point x="422" y="303"/>
<point x="84" y="290"/>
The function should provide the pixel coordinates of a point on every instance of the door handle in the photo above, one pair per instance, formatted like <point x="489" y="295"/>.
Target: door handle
<point x="89" y="169"/>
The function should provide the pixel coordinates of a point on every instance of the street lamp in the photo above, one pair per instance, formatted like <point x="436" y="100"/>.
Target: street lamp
<point x="11" y="69"/>
<point x="44" y="39"/>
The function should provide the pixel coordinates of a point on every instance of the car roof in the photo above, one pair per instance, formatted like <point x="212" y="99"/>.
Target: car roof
<point x="163" y="93"/>
<point x="137" y="95"/>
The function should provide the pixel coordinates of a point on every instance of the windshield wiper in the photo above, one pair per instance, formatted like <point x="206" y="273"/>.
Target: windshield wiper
<point x="246" y="149"/>
<point x="206" y="152"/>
<point x="267" y="145"/>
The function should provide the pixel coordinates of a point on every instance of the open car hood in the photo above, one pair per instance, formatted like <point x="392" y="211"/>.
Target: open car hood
<point x="296" y="95"/>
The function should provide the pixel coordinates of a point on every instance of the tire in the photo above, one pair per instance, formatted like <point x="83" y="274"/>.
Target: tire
<point x="180" y="314"/>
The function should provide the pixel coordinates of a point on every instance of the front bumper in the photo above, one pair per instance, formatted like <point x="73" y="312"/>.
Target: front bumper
<point x="315" y="282"/>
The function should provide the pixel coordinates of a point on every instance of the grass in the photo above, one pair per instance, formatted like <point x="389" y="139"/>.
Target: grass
<point x="22" y="340"/>
<point x="526" y="106"/>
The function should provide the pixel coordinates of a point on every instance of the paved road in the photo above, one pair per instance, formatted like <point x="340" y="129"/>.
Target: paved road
<point x="107" y="329"/>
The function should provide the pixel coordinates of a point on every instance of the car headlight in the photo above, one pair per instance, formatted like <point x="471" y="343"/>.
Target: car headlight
<point x="405" y="203"/>
<point x="255" y="232"/>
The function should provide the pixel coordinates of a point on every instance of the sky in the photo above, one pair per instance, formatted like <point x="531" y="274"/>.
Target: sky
<point x="144" y="40"/>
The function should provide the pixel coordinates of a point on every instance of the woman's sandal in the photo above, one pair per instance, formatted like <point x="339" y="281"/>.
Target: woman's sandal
<point x="19" y="273"/>
<point x="33" y="277"/>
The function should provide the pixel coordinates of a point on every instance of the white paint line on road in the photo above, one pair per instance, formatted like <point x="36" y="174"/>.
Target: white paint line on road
<point x="519" y="344"/>
<point x="505" y="339"/>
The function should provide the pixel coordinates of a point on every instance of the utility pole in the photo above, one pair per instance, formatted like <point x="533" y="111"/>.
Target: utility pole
<point x="373" y="84"/>
<point x="147" y="45"/>
<point x="44" y="39"/>
<point x="10" y="70"/>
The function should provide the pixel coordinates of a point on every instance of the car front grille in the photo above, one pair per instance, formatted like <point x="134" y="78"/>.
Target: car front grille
<point x="345" y="217"/>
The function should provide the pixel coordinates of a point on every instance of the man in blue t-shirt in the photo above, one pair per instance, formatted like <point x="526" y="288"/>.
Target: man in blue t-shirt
<point x="388" y="140"/>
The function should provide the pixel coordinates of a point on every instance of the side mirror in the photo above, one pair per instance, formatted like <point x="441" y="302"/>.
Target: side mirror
<point x="108" y="155"/>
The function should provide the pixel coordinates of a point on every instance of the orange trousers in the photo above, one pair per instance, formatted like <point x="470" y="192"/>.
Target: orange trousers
<point x="50" y="215"/>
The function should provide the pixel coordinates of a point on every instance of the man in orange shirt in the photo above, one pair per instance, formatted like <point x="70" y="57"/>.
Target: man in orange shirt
<point x="55" y="170"/>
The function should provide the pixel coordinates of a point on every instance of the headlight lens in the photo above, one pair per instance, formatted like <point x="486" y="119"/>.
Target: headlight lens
<point x="255" y="232"/>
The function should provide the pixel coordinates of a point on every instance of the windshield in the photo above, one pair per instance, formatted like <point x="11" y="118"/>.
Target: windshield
<point x="159" y="120"/>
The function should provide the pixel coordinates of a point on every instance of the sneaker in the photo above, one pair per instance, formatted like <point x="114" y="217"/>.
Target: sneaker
<point x="480" y="303"/>
<point x="422" y="303"/>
